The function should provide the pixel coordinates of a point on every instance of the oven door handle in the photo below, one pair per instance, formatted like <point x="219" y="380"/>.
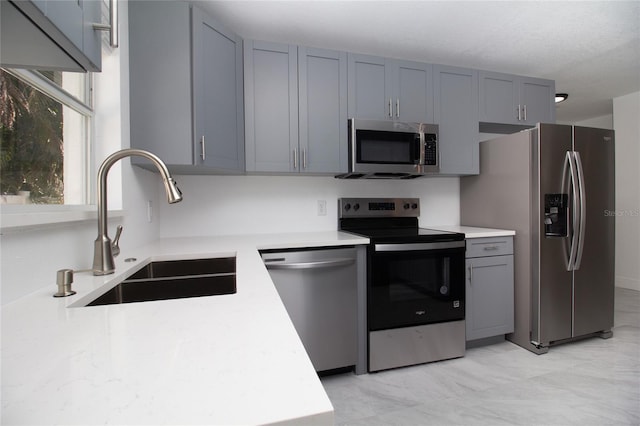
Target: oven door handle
<point x="419" y="246"/>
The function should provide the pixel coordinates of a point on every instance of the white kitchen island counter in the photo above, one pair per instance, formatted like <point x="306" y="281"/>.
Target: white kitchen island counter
<point x="231" y="359"/>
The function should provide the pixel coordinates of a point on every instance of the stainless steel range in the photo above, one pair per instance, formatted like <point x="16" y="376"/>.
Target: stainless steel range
<point x="415" y="283"/>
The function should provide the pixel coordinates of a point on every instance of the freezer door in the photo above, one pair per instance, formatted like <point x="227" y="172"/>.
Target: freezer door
<point x="551" y="281"/>
<point x="594" y="276"/>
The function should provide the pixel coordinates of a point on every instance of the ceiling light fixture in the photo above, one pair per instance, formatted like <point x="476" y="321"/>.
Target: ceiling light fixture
<point x="561" y="97"/>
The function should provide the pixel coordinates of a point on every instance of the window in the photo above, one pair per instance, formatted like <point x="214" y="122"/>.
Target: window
<point x="45" y="139"/>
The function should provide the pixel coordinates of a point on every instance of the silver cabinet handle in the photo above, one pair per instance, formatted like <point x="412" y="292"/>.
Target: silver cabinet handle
<point x="304" y="159"/>
<point x="525" y="112"/>
<point x="471" y="273"/>
<point x="203" y="153"/>
<point x="519" y="114"/>
<point x="112" y="27"/>
<point x="490" y="248"/>
<point x="398" y="107"/>
<point x="390" y="108"/>
<point x="295" y="159"/>
<point x="309" y="265"/>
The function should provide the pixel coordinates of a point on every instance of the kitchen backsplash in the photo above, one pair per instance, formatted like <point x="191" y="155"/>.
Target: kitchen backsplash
<point x="223" y="205"/>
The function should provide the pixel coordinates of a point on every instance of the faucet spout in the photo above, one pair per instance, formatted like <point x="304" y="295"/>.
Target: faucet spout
<point x="103" y="263"/>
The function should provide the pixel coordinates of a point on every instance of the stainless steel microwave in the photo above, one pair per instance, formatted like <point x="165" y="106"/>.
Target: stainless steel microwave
<point x="391" y="150"/>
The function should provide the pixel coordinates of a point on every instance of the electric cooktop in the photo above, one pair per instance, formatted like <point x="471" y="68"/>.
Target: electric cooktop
<point x="388" y="220"/>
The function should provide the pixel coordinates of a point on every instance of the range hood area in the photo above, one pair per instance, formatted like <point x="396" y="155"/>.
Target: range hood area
<point x="380" y="175"/>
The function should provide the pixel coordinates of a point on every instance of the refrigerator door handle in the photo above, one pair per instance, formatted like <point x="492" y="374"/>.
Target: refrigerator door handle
<point x="583" y="210"/>
<point x="575" y="203"/>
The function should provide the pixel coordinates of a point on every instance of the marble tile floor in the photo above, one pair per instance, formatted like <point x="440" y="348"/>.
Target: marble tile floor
<point x="589" y="382"/>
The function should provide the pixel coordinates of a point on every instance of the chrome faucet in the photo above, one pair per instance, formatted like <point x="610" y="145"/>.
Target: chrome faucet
<point x="103" y="263"/>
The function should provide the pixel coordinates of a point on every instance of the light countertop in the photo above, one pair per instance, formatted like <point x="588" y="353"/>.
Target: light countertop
<point x="231" y="359"/>
<point x="474" y="232"/>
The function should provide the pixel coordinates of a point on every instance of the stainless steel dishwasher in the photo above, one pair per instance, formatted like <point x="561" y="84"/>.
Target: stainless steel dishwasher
<point x="319" y="290"/>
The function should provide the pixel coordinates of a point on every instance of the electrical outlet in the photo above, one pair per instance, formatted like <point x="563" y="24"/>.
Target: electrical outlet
<point x="149" y="211"/>
<point x="322" y="207"/>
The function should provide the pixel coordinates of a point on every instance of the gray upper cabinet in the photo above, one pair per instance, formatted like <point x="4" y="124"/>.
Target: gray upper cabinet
<point x="271" y="114"/>
<point x="456" y="113"/>
<point x="537" y="98"/>
<point x="388" y="89"/>
<point x="218" y="94"/>
<point x="192" y="120"/>
<point x="322" y="85"/>
<point x="296" y="120"/>
<point x="369" y="85"/>
<point x="51" y="34"/>
<point x="412" y="91"/>
<point x="510" y="99"/>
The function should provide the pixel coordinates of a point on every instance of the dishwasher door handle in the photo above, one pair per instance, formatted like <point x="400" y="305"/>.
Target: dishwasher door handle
<point x="309" y="265"/>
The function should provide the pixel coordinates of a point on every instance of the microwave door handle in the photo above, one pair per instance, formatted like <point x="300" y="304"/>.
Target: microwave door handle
<point x="423" y="144"/>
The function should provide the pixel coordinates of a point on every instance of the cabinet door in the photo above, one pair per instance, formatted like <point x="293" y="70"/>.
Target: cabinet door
<point x="412" y="100"/>
<point x="218" y="96"/>
<point x="67" y="16"/>
<point x="489" y="296"/>
<point x="271" y="113"/>
<point x="322" y="80"/>
<point x="538" y="98"/>
<point x="160" y="89"/>
<point x="370" y="95"/>
<point x="456" y="113"/>
<point x="50" y="35"/>
<point x="75" y="19"/>
<point x="499" y="98"/>
<point x="92" y="39"/>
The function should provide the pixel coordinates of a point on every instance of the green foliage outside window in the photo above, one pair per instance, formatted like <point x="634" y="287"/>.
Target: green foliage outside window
<point x="31" y="131"/>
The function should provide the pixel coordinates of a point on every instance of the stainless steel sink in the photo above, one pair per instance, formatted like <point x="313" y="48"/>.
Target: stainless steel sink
<point x="174" y="279"/>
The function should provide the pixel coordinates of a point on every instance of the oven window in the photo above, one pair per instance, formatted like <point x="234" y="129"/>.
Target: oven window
<point x="415" y="288"/>
<point x="411" y="280"/>
<point x="380" y="147"/>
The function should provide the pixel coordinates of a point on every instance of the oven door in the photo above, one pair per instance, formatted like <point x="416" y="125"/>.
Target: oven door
<point x="415" y="283"/>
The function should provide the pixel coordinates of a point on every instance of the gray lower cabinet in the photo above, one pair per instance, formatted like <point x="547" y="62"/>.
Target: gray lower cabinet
<point x="517" y="100"/>
<point x="456" y="114"/>
<point x="296" y="109"/>
<point x="489" y="287"/>
<point x="51" y="34"/>
<point x="389" y="89"/>
<point x="191" y="120"/>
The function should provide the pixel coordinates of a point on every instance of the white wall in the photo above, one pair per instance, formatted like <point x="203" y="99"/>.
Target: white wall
<point x="603" y="122"/>
<point x="30" y="257"/>
<point x="221" y="205"/>
<point x="626" y="123"/>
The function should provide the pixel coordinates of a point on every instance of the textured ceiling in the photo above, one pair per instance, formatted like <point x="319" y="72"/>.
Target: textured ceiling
<point x="591" y="49"/>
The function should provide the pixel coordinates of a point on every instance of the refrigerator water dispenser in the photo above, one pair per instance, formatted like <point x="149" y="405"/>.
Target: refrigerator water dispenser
<point x="555" y="215"/>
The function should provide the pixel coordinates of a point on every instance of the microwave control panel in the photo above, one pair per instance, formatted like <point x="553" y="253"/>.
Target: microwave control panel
<point x="430" y="149"/>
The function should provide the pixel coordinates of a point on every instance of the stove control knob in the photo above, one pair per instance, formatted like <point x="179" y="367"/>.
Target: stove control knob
<point x="356" y="207"/>
<point x="347" y="207"/>
<point x="406" y="206"/>
<point x="414" y="206"/>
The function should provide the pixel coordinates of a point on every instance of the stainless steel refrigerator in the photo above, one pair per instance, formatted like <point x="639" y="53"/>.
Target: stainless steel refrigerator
<point x="554" y="185"/>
